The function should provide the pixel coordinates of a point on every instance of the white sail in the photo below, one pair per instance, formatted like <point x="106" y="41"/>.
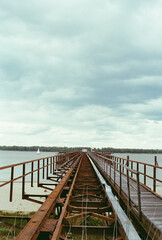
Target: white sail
<point x="38" y="151"/>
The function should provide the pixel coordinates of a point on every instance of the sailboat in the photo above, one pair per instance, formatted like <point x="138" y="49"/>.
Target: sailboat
<point x="38" y="151"/>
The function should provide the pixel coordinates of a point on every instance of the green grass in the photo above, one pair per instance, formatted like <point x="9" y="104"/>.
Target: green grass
<point x="15" y="225"/>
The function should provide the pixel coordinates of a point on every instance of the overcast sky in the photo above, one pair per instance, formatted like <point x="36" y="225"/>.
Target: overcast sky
<point x="81" y="73"/>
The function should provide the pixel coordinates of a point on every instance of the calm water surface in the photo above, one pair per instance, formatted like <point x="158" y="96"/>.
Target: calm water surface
<point x="142" y="157"/>
<point x="13" y="157"/>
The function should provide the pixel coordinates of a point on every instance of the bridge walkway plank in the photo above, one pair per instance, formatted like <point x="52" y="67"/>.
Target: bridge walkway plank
<point x="151" y="204"/>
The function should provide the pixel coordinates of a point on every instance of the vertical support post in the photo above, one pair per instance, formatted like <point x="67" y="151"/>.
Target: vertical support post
<point x="137" y="167"/>
<point x="120" y="177"/>
<point x="23" y="182"/>
<point x="154" y="174"/>
<point x="117" y="163"/>
<point x="128" y="185"/>
<point x="145" y="174"/>
<point x="47" y="168"/>
<point x="50" y="165"/>
<point x="32" y="169"/>
<point x="123" y="166"/>
<point x="43" y="168"/>
<point x="139" y="196"/>
<point x="11" y="184"/>
<point x="110" y="170"/>
<point x="127" y="161"/>
<point x="105" y="166"/>
<point x="114" y="169"/>
<point x="54" y="164"/>
<point x="38" y="178"/>
<point x="131" y="168"/>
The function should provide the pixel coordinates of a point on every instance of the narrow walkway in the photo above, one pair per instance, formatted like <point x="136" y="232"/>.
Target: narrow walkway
<point x="151" y="205"/>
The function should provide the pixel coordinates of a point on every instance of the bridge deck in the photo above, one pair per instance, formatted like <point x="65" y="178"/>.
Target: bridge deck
<point x="151" y="204"/>
<point x="84" y="208"/>
<point x="80" y="194"/>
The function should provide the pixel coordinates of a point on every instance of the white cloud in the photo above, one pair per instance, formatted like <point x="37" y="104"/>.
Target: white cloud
<point x="81" y="73"/>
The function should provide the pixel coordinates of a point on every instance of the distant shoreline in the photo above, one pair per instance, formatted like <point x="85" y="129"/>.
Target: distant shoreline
<point x="75" y="149"/>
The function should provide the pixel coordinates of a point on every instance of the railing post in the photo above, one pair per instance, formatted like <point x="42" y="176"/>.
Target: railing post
<point x="32" y="168"/>
<point x="123" y="166"/>
<point x="47" y="168"/>
<point x="139" y="196"/>
<point x="137" y="167"/>
<point x="128" y="185"/>
<point x="145" y="174"/>
<point x="43" y="168"/>
<point x="23" y="182"/>
<point x="50" y="165"/>
<point x="154" y="174"/>
<point x="132" y="169"/>
<point x="105" y="165"/>
<point x="118" y="163"/>
<point x="114" y="169"/>
<point x="56" y="162"/>
<point x="38" y="174"/>
<point x="11" y="184"/>
<point x="110" y="170"/>
<point x="53" y="164"/>
<point x="120" y="177"/>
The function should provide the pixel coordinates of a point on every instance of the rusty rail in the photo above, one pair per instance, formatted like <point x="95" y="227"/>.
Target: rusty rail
<point x="33" y="228"/>
<point x="80" y="195"/>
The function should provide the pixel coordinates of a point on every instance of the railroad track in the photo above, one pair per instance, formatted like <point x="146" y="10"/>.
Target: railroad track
<point x="81" y="206"/>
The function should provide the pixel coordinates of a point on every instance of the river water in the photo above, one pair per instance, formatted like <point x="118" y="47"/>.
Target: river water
<point x="13" y="157"/>
<point x="142" y="157"/>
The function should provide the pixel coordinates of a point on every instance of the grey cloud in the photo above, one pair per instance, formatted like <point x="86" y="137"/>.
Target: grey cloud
<point x="80" y="72"/>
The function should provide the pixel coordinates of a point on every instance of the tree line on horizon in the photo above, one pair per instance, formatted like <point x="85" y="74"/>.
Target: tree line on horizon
<point x="78" y="149"/>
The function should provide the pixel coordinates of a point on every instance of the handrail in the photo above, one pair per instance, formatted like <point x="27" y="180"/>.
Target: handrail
<point x="150" y="165"/>
<point x="21" y="163"/>
<point x="144" y="173"/>
<point x="52" y="164"/>
<point x="121" y="164"/>
<point x="104" y="162"/>
<point x="142" y="168"/>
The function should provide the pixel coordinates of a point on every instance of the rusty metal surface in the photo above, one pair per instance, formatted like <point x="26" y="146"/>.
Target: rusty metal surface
<point x="33" y="228"/>
<point x="82" y="203"/>
<point x="79" y="195"/>
<point x="55" y="166"/>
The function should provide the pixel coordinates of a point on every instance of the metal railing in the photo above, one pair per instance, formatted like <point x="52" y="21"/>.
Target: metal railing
<point x="136" y="174"/>
<point x="148" y="171"/>
<point x="110" y="167"/>
<point x="40" y="168"/>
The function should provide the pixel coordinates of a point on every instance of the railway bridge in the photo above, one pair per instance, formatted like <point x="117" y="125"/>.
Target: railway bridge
<point x="92" y="196"/>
